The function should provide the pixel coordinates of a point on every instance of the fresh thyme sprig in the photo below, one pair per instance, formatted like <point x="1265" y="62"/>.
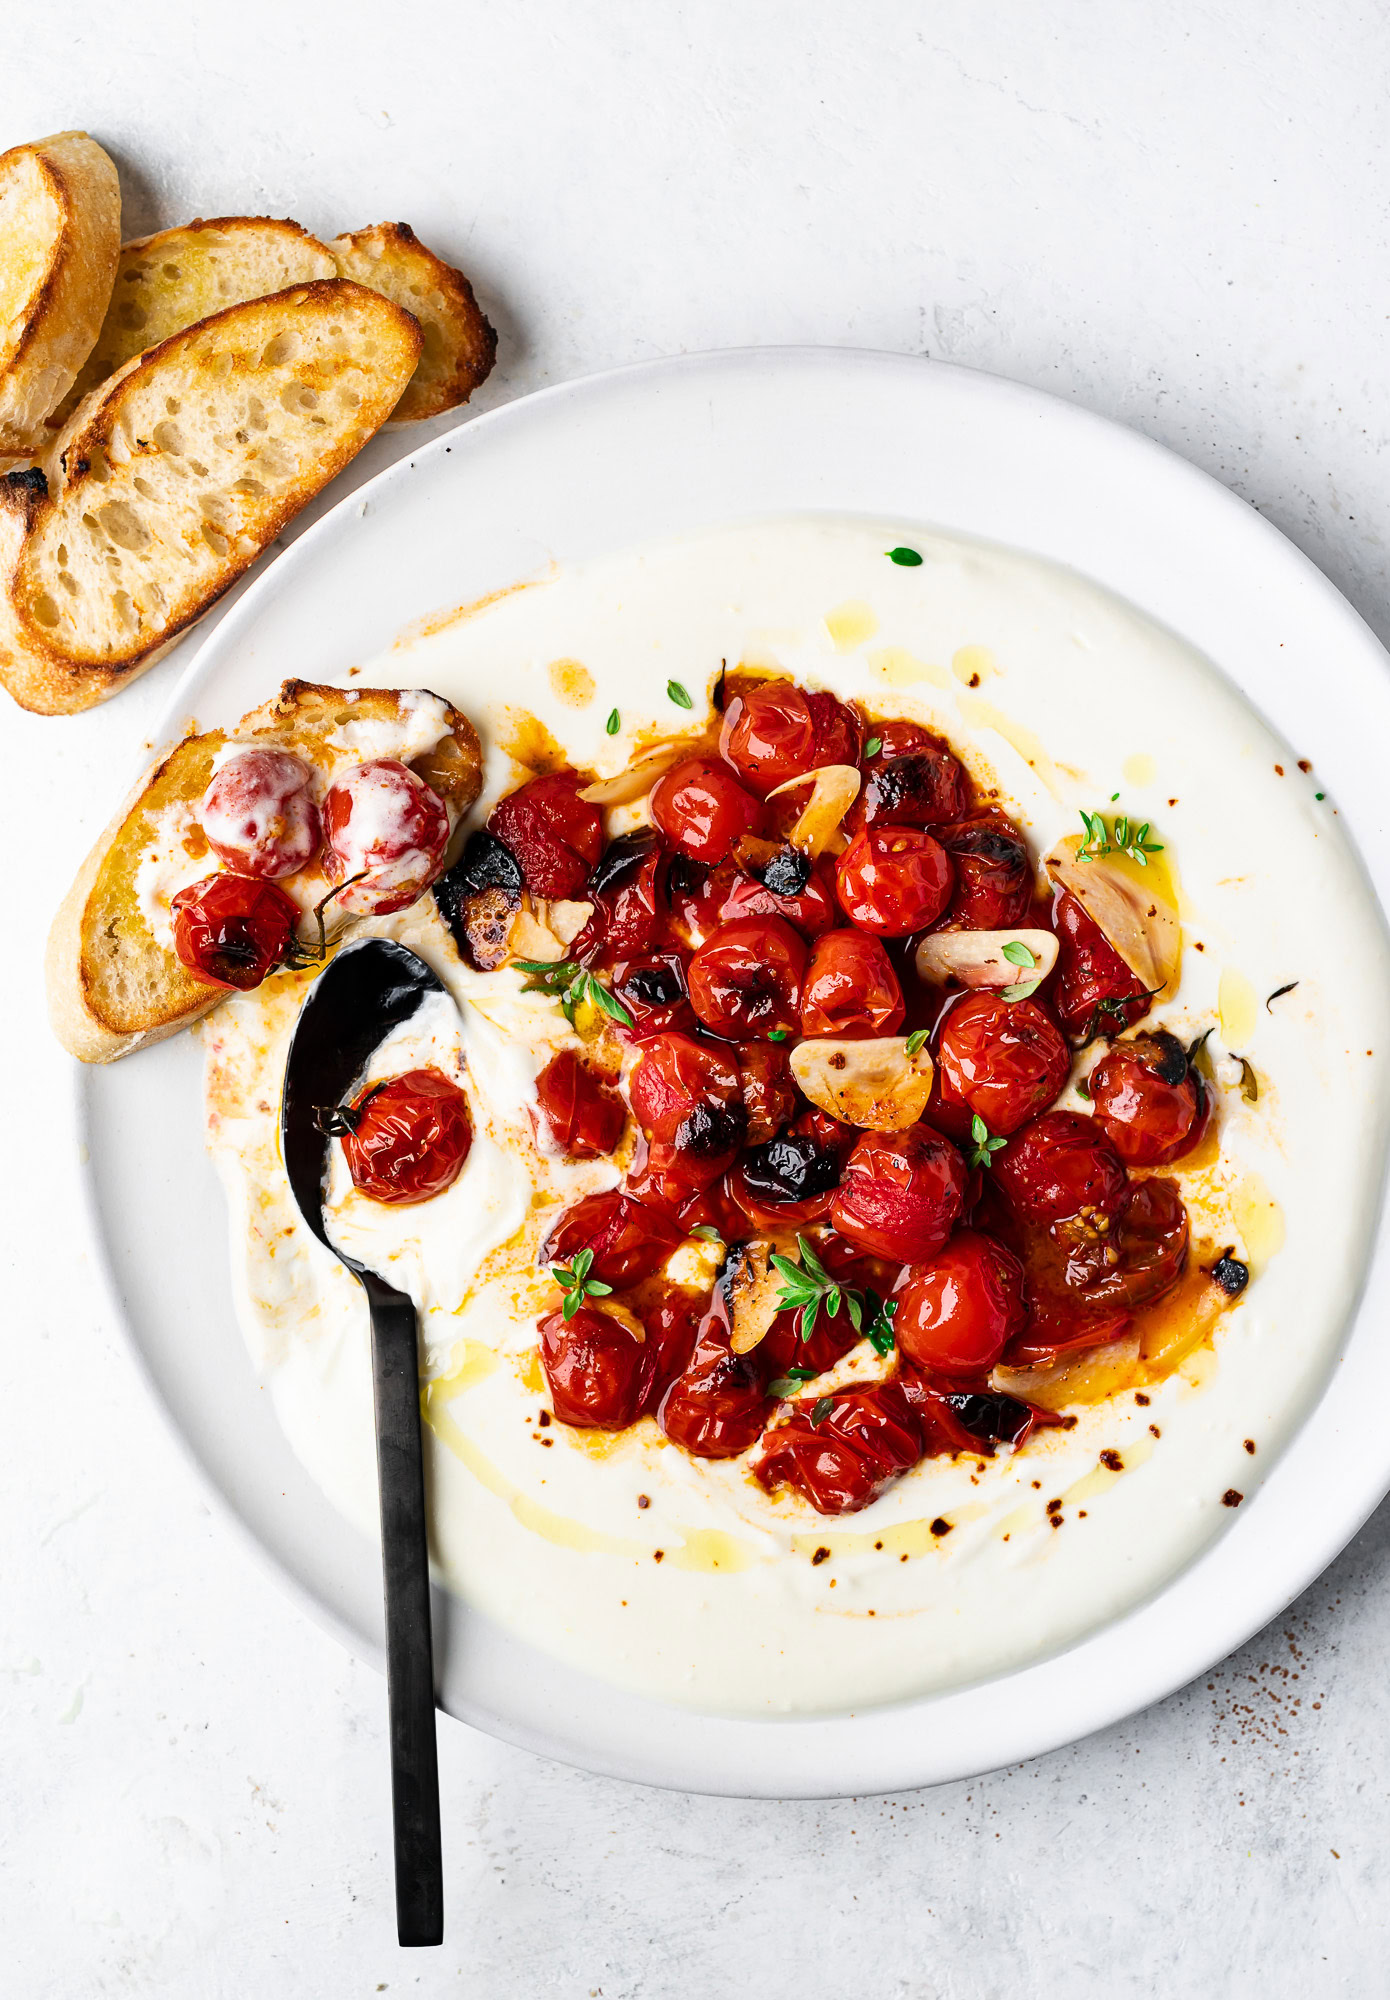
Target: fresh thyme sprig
<point x="1122" y="837"/>
<point x="1019" y="954"/>
<point x="571" y="984"/>
<point x="986" y="1144"/>
<point x="576" y="1284"/>
<point x="808" y="1286"/>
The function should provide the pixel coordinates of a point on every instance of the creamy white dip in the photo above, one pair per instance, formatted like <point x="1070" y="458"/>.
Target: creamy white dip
<point x="1065" y="696"/>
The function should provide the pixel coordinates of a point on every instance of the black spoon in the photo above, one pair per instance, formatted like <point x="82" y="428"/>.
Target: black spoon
<point x="367" y="990"/>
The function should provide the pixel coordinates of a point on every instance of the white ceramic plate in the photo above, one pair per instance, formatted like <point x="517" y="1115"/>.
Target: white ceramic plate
<point x="594" y="467"/>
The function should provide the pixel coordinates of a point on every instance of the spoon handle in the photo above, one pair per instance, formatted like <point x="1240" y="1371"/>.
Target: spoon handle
<point x="409" y="1655"/>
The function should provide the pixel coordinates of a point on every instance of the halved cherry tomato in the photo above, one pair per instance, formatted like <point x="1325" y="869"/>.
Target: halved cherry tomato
<point x="232" y="930"/>
<point x="901" y="1194"/>
<point x="1061" y="1165"/>
<point x="1004" y="1059"/>
<point x="746" y="979"/>
<point x="628" y="890"/>
<point x="385" y="833"/>
<point x="774" y="732"/>
<point x="1095" y="993"/>
<point x="555" y="835"/>
<point x="653" y="991"/>
<point x="258" y="814"/>
<point x="596" y="1370"/>
<point x="850" y="988"/>
<point x="629" y="1239"/>
<point x="894" y="880"/>
<point x="866" y="1440"/>
<point x="957" y="1311"/>
<point x="769" y="1095"/>
<point x="1151" y="1101"/>
<point x="582" y="1116"/>
<point x="994" y="877"/>
<point x="702" y="809"/>
<point x="408" y="1137"/>
<point x="810" y="908"/>
<point x="687" y="1097"/>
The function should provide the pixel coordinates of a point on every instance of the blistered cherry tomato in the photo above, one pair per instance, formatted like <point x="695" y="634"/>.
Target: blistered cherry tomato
<point x="1095" y="993"/>
<point x="687" y="1097"/>
<point x="994" y="877"/>
<point x="789" y="885"/>
<point x="628" y="891"/>
<point x="695" y="894"/>
<point x="582" y="1117"/>
<point x="746" y="979"/>
<point x="769" y="1095"/>
<point x="1153" y="1104"/>
<point x="924" y="786"/>
<point x="787" y="1183"/>
<point x="258" y="815"/>
<point x="671" y="1316"/>
<point x="901" y="1194"/>
<point x="957" y="1311"/>
<point x="894" y="880"/>
<point x="702" y="809"/>
<point x="716" y="1406"/>
<point x="1060" y="1165"/>
<point x="231" y="930"/>
<point x="1003" y="1058"/>
<point x="407" y="1138"/>
<point x="1085" y="1280"/>
<point x="850" y="989"/>
<point x="653" y="991"/>
<point x="595" y="1368"/>
<point x="774" y="732"/>
<point x="866" y="1440"/>
<point x="630" y="1240"/>
<point x="384" y="825"/>
<point x="782" y="1347"/>
<point x="555" y="835"/>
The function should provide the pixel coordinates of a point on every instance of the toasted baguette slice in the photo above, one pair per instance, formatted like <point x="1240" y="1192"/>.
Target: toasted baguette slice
<point x="170" y="281"/>
<point x="173" y="477"/>
<point x="60" y="234"/>
<point x="460" y="346"/>
<point x="112" y="986"/>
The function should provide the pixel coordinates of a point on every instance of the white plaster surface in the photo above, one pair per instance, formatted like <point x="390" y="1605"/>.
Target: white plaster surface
<point x="1174" y="213"/>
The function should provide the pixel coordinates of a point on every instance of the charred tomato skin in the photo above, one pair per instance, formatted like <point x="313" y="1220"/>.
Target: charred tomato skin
<point x="994" y="876"/>
<point x="555" y="835"/>
<point x="850" y="989"/>
<point x="701" y="809"/>
<point x="894" y="880"/>
<point x="746" y="979"/>
<point x="409" y="1137"/>
<point x="1004" y="1059"/>
<point x="900" y="1194"/>
<point x="717" y="1405"/>
<point x="1151" y="1101"/>
<point x="687" y="1097"/>
<point x="958" y="1311"/>
<point x="1060" y="1165"/>
<point x="232" y="930"/>
<point x="921" y="787"/>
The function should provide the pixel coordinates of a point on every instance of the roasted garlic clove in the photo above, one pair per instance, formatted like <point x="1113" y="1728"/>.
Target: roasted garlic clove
<point x="874" y="1084"/>
<point x="1135" y="907"/>
<point x="834" y="788"/>
<point x="987" y="958"/>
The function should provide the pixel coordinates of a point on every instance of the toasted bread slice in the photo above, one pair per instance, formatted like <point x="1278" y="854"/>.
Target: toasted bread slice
<point x="60" y="235"/>
<point x="460" y="346"/>
<point x="170" y="281"/>
<point x="174" y="475"/>
<point x="113" y="987"/>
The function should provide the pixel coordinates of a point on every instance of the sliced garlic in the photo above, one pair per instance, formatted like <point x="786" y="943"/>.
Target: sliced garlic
<point x="638" y="777"/>
<point x="624" y="1315"/>
<point x="834" y="788"/>
<point x="531" y="938"/>
<point x="564" y="919"/>
<point x="1134" y="906"/>
<point x="874" y="1084"/>
<point x="754" y="1291"/>
<point x="1087" y="1377"/>
<point x="977" y="958"/>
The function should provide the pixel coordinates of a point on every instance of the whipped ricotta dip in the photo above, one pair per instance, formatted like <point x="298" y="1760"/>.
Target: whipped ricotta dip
<point x="681" y="1578"/>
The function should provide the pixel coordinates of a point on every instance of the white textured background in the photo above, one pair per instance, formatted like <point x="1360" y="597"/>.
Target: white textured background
<point x="1172" y="212"/>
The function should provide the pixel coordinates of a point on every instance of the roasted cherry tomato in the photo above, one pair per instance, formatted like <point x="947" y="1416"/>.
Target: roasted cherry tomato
<point x="702" y="809"/>
<point x="769" y="1095"/>
<point x="894" y="880"/>
<point x="782" y="1346"/>
<point x="1003" y="1058"/>
<point x="629" y="1239"/>
<point x="595" y="1368"/>
<point x="628" y="892"/>
<point x="406" y="1139"/>
<point x="1058" y="1166"/>
<point x="653" y="991"/>
<point x="786" y="1183"/>
<point x="994" y="877"/>
<point x="957" y="1311"/>
<point x="385" y="833"/>
<point x="1085" y="1280"/>
<point x="671" y="1316"/>
<point x="922" y="787"/>
<point x="787" y="884"/>
<point x="581" y="1116"/>
<point x="850" y="989"/>
<point x="1095" y="993"/>
<point x="687" y="1097"/>
<point x="555" y="835"/>
<point x="844" y="1459"/>
<point x="901" y="1194"/>
<point x="231" y="930"/>
<point x="258" y="815"/>
<point x="696" y="893"/>
<point x="716" y="1406"/>
<point x="1151" y="1101"/>
<point x="746" y="979"/>
<point x="774" y="732"/>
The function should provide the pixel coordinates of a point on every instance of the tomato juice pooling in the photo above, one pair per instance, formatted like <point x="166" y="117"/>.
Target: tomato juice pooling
<point x="862" y="1127"/>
